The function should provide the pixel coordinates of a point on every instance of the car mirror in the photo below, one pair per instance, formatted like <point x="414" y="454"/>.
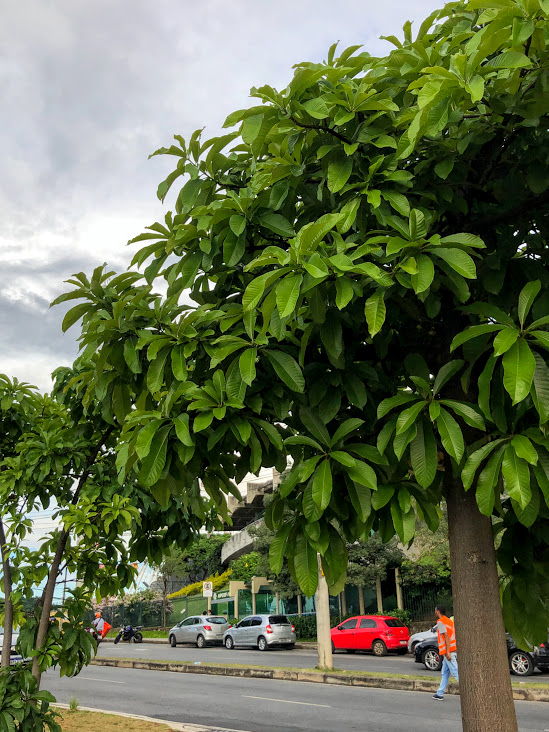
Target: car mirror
<point x="340" y="627"/>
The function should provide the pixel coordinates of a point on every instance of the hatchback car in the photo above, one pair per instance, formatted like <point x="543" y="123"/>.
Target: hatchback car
<point x="416" y="638"/>
<point x="261" y="631"/>
<point x="201" y="630"/>
<point x="376" y="633"/>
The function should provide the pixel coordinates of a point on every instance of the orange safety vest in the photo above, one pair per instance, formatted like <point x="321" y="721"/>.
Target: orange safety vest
<point x="450" y="632"/>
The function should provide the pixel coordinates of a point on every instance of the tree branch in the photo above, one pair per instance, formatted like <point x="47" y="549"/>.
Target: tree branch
<point x="321" y="128"/>
<point x="8" y="604"/>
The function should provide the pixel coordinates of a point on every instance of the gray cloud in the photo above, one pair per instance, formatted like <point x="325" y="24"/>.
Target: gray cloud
<point x="89" y="89"/>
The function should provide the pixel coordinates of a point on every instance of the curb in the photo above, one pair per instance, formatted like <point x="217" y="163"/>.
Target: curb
<point x="319" y="677"/>
<point x="305" y="646"/>
<point x="175" y="726"/>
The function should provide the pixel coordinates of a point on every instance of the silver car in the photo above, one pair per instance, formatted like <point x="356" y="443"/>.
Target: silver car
<point x="14" y="656"/>
<point x="200" y="630"/>
<point x="261" y="631"/>
<point x="418" y="637"/>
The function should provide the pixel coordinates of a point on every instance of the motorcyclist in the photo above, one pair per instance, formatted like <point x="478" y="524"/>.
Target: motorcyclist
<point x="99" y="624"/>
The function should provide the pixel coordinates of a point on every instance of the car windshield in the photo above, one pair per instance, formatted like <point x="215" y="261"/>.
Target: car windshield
<point x="217" y="620"/>
<point x="393" y="623"/>
<point x="279" y="620"/>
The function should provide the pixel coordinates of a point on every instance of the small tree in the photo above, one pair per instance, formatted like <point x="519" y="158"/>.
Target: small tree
<point x="246" y="567"/>
<point x="368" y="562"/>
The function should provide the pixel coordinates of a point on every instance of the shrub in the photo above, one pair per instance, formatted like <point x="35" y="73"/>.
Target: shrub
<point x="218" y="581"/>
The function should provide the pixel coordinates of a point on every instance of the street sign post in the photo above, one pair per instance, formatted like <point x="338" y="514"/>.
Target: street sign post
<point x="207" y="591"/>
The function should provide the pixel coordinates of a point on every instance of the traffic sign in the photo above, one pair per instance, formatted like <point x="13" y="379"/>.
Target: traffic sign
<point x="207" y="589"/>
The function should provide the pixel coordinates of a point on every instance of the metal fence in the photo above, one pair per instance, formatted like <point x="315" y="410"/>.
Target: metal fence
<point x="420" y="600"/>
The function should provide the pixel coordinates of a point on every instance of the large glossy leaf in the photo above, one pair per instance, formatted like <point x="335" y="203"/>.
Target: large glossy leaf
<point x="287" y="294"/>
<point x="525" y="449"/>
<point x="474" y="460"/>
<point x="363" y="474"/>
<point x="526" y="299"/>
<point x="361" y="498"/>
<point x="517" y="477"/>
<point x="153" y="463"/>
<point x="375" y="312"/>
<point x="338" y="173"/>
<point x="287" y="369"/>
<point x="322" y="484"/>
<point x="408" y="416"/>
<point x="504" y="340"/>
<point x="425" y="273"/>
<point x="344" y="429"/>
<point x="458" y="260"/>
<point x="278" y="547"/>
<point x="246" y="364"/>
<point x="540" y="388"/>
<point x="445" y="374"/>
<point x="519" y="366"/>
<point x="487" y="482"/>
<point x="145" y="436"/>
<point x="423" y="454"/>
<point x="395" y="401"/>
<point x="474" y="331"/>
<point x="450" y="434"/>
<point x="306" y="566"/>
<point x="467" y="412"/>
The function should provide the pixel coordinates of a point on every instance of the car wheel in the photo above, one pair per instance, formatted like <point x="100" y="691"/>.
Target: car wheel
<point x="402" y="651"/>
<point x="333" y="647"/>
<point x="229" y="643"/>
<point x="173" y="642"/>
<point x="431" y="659"/>
<point x="379" y="648"/>
<point x="200" y="641"/>
<point x="350" y="650"/>
<point x="521" y="663"/>
<point x="413" y="647"/>
<point x="262" y="643"/>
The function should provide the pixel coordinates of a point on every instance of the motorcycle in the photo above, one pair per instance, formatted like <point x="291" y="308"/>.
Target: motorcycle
<point x="129" y="633"/>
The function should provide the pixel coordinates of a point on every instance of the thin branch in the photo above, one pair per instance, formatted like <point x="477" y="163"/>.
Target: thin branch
<point x="8" y="604"/>
<point x="321" y="128"/>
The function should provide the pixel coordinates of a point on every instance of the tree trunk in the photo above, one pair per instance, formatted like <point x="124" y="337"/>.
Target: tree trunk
<point x="323" y="635"/>
<point x="299" y="606"/>
<point x="8" y="604"/>
<point x="361" y="608"/>
<point x="343" y="602"/>
<point x="485" y="682"/>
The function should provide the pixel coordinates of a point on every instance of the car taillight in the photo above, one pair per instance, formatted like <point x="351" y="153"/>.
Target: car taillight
<point x="207" y="627"/>
<point x="230" y="626"/>
<point x="293" y="628"/>
<point x="269" y="629"/>
<point x="389" y="633"/>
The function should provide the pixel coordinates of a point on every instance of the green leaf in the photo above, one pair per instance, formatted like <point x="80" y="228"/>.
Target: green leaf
<point x="314" y="425"/>
<point x="423" y="454"/>
<point x="344" y="292"/>
<point x="540" y="388"/>
<point x="450" y="434"/>
<point x="144" y="438"/>
<point x="468" y="240"/>
<point x="251" y="127"/>
<point x="317" y="108"/>
<point x="542" y="337"/>
<point x="444" y="168"/>
<point x="468" y="413"/>
<point x="331" y="334"/>
<point x="458" y="260"/>
<point x="474" y="460"/>
<point x="363" y="474"/>
<point x="179" y="362"/>
<point x="487" y="482"/>
<point x="504" y="340"/>
<point x="202" y="421"/>
<point x="339" y="171"/>
<point x="403" y="521"/>
<point x="181" y="424"/>
<point x="519" y="366"/>
<point x="75" y="314"/>
<point x="517" y="477"/>
<point x="322" y="484"/>
<point x="155" y="374"/>
<point x="316" y="267"/>
<point x="445" y="374"/>
<point x="398" y="201"/>
<point x="375" y="312"/>
<point x="529" y="513"/>
<point x="408" y="416"/>
<point x="361" y="498"/>
<point x="237" y="224"/>
<point x="153" y="463"/>
<point x="525" y="449"/>
<point x="417" y="224"/>
<point x="277" y="223"/>
<point x="303" y="440"/>
<point x="278" y="547"/>
<point x="526" y="299"/>
<point x="287" y="294"/>
<point x="425" y="273"/>
<point x="401" y="441"/>
<point x="254" y="291"/>
<point x="161" y="493"/>
<point x="343" y="458"/>
<point x="131" y="356"/>
<point x="306" y="566"/>
<point x="344" y="429"/>
<point x="474" y="331"/>
<point x="382" y="496"/>
<point x="287" y="369"/>
<point x="484" y="383"/>
<point x="246" y="364"/>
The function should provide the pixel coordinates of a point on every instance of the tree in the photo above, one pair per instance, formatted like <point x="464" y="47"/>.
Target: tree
<point x="430" y="562"/>
<point x="174" y="564"/>
<point x="246" y="567"/>
<point x="368" y="562"/>
<point x="282" y="581"/>
<point x="59" y="453"/>
<point x="366" y="264"/>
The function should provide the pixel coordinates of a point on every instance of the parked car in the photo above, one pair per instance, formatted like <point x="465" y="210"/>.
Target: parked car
<point x="376" y="633"/>
<point x="14" y="656"/>
<point x="200" y="630"/>
<point x="424" y="635"/>
<point x="261" y="631"/>
<point x="521" y="663"/>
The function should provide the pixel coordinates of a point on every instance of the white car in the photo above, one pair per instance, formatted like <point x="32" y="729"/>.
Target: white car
<point x="15" y="657"/>
<point x="417" y="637"/>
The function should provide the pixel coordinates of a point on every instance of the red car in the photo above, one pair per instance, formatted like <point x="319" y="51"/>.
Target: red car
<point x="376" y="633"/>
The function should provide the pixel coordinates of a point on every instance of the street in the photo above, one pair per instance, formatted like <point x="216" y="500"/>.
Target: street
<point x="389" y="664"/>
<point x="258" y="705"/>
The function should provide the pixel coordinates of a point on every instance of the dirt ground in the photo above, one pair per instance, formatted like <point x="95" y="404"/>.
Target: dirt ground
<point x="95" y="722"/>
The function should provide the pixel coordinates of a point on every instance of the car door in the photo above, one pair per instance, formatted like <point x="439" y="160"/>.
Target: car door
<point x="364" y="634"/>
<point x="344" y="636"/>
<point x="254" y="631"/>
<point x="183" y="630"/>
<point x="239" y="636"/>
<point x="193" y="629"/>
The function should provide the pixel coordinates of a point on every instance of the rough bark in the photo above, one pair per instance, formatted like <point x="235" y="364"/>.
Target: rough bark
<point x="485" y="682"/>
<point x="323" y="636"/>
<point x="8" y="604"/>
<point x="361" y="608"/>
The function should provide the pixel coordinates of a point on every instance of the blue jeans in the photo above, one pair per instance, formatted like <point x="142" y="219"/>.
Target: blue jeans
<point x="448" y="667"/>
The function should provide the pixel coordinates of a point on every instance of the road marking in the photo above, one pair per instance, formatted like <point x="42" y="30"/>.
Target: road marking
<point x="106" y="681"/>
<point x="286" y="701"/>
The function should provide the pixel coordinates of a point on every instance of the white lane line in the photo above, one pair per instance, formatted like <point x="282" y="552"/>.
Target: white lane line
<point x="286" y="701"/>
<point x="105" y="681"/>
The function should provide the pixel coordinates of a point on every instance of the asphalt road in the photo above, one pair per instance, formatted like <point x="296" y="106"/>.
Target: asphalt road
<point x="258" y="705"/>
<point x="297" y="658"/>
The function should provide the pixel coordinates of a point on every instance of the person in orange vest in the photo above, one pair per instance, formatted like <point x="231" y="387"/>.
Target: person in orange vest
<point x="447" y="648"/>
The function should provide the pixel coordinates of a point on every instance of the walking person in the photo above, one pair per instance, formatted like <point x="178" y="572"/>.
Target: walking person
<point x="447" y="648"/>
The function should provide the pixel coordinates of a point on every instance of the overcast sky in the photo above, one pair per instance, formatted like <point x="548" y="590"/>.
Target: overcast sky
<point x="89" y="89"/>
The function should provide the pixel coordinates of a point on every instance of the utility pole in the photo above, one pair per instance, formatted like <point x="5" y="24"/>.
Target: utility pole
<point x="323" y="637"/>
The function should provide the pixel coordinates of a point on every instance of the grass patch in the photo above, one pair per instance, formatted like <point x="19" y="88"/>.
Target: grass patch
<point x="155" y="634"/>
<point x="95" y="721"/>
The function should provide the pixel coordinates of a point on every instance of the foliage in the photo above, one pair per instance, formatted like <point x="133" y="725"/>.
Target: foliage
<point x="403" y="615"/>
<point x="282" y="581"/>
<point x="22" y="706"/>
<point x="370" y="559"/>
<point x="218" y="581"/>
<point x="430" y="561"/>
<point x="146" y="604"/>
<point x="365" y="255"/>
<point x="245" y="567"/>
<point x="199" y="560"/>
